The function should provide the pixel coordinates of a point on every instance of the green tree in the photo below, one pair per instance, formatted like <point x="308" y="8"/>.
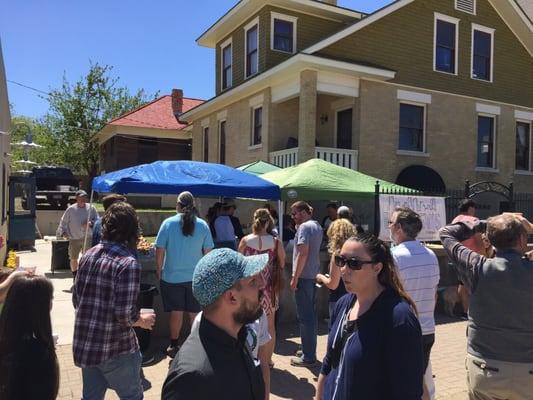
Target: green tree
<point x="78" y="111"/>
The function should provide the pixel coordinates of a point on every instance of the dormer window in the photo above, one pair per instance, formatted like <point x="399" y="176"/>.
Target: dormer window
<point x="227" y="63"/>
<point x="446" y="44"/>
<point x="251" y="35"/>
<point x="482" y="53"/>
<point x="283" y="33"/>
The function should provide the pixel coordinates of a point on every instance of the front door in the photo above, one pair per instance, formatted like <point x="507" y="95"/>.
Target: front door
<point x="344" y="129"/>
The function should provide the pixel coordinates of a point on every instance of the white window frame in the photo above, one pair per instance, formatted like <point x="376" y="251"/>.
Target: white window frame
<point x="247" y="27"/>
<point x="251" y="145"/>
<point x="490" y="31"/>
<point x="530" y="170"/>
<point x="422" y="153"/>
<point x="475" y="8"/>
<point x="494" y="139"/>
<point x="451" y="20"/>
<point x="220" y="121"/>
<point x="287" y="18"/>
<point x="223" y="46"/>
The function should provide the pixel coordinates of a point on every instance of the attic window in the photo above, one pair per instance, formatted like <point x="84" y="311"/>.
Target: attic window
<point x="467" y="6"/>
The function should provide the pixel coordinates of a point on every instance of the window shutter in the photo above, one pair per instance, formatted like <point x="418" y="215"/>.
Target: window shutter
<point x="467" y="6"/>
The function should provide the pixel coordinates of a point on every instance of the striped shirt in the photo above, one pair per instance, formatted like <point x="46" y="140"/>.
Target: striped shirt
<point x="419" y="271"/>
<point x="105" y="296"/>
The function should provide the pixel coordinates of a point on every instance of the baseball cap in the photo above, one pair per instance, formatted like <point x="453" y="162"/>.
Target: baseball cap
<point x="343" y="210"/>
<point x="81" y="193"/>
<point x="220" y="269"/>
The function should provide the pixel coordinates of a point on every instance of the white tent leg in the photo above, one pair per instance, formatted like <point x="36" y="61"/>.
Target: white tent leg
<point x="280" y="220"/>
<point x="87" y="222"/>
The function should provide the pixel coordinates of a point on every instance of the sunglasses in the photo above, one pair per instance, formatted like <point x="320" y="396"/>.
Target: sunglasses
<point x="352" y="263"/>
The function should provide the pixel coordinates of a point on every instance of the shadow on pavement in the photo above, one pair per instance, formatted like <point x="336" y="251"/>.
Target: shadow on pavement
<point x="288" y="386"/>
<point x="287" y="331"/>
<point x="58" y="275"/>
<point x="443" y="319"/>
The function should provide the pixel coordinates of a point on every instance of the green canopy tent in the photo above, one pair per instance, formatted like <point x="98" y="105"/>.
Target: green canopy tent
<point x="321" y="180"/>
<point x="259" y="168"/>
<point x="317" y="179"/>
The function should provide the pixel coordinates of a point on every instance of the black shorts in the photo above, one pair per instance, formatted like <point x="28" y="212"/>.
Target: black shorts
<point x="427" y="344"/>
<point x="178" y="297"/>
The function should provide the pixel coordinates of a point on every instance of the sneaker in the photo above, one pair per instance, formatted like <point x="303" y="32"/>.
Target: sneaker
<point x="172" y="351"/>
<point x="299" y="353"/>
<point x="300" y="362"/>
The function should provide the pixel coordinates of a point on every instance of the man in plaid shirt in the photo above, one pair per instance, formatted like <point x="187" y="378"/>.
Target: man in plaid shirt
<point x="105" y="296"/>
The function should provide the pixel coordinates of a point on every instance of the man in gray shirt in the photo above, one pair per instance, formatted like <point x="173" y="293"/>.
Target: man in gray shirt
<point x="305" y="267"/>
<point x="500" y="322"/>
<point x="78" y="219"/>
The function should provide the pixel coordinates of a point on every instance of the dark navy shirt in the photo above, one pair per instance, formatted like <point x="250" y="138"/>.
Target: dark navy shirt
<point x="380" y="356"/>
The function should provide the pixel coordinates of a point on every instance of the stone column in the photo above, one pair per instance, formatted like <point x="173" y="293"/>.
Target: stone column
<point x="307" y="116"/>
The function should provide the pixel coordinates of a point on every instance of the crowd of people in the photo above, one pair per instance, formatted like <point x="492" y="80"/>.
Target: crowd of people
<point x="382" y="300"/>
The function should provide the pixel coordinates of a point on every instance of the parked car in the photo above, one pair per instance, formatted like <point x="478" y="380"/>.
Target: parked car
<point x="56" y="186"/>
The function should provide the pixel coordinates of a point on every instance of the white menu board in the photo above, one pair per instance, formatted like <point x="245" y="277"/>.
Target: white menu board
<point x="431" y="209"/>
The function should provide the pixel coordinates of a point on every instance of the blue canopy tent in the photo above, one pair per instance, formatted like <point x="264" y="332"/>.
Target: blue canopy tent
<point x="199" y="178"/>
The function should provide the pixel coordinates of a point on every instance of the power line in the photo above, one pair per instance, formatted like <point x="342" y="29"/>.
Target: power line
<point x="28" y="87"/>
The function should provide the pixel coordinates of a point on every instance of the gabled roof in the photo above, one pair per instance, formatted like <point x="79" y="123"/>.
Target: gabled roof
<point x="246" y="8"/>
<point x="512" y="11"/>
<point x="157" y="114"/>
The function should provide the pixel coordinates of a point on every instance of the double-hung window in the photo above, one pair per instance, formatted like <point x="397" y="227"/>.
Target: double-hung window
<point x="222" y="142"/>
<point x="523" y="146"/>
<point x="251" y="34"/>
<point x="257" y="126"/>
<point x="283" y="33"/>
<point x="446" y="43"/>
<point x="206" y="143"/>
<point x="412" y="126"/>
<point x="226" y="64"/>
<point x="482" y="53"/>
<point x="486" y="136"/>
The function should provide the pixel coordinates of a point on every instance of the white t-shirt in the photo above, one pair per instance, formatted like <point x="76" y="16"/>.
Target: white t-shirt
<point x="257" y="333"/>
<point x="419" y="271"/>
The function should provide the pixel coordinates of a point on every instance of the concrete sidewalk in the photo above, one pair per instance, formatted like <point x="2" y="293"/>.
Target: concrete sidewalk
<point x="288" y="382"/>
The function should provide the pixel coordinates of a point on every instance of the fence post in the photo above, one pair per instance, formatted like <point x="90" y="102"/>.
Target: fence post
<point x="376" y="209"/>
<point x="467" y="189"/>
<point x="511" y="196"/>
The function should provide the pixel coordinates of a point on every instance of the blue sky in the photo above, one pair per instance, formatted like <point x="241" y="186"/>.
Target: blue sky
<point x="151" y="45"/>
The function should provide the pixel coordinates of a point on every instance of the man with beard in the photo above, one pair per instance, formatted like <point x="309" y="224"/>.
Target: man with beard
<point x="215" y="361"/>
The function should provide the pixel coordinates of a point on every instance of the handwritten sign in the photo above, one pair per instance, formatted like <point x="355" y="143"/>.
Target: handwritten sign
<point x="431" y="209"/>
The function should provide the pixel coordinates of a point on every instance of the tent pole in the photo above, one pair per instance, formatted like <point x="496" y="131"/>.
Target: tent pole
<point x="280" y="220"/>
<point x="87" y="222"/>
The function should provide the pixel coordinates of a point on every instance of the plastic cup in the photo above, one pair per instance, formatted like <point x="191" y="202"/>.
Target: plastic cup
<point x="147" y="311"/>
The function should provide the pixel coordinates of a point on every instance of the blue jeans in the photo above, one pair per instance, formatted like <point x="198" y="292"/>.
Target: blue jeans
<point x="307" y="318"/>
<point x="121" y="373"/>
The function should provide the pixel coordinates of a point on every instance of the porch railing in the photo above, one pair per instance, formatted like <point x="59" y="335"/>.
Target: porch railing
<point x="342" y="157"/>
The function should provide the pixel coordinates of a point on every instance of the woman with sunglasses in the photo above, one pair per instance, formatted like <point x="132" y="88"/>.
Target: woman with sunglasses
<point x="375" y="342"/>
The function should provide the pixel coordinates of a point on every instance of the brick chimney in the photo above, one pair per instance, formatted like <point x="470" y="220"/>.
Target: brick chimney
<point x="177" y="102"/>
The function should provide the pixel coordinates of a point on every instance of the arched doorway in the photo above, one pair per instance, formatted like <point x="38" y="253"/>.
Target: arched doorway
<point x="421" y="178"/>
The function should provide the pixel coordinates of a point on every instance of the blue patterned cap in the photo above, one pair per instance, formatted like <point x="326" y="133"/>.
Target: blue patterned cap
<point x="220" y="269"/>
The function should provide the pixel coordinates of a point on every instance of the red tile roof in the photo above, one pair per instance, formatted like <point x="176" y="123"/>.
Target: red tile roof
<point x="156" y="114"/>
